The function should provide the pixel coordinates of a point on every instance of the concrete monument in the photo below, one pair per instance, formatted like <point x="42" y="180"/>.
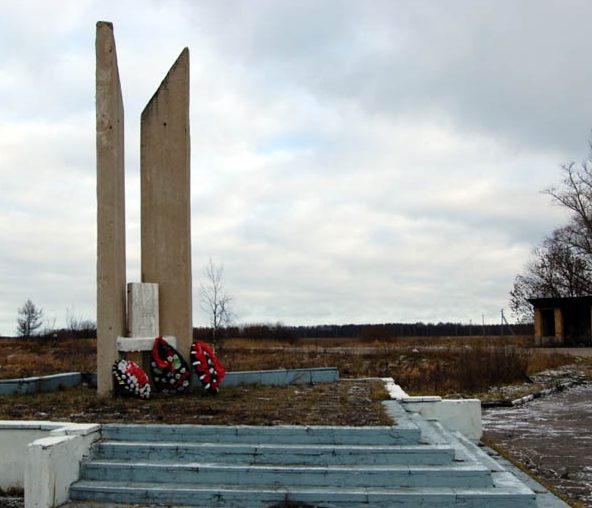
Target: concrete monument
<point x="165" y="208"/>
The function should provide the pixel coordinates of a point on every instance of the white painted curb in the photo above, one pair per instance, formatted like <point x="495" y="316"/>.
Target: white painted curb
<point x="462" y="415"/>
<point x="53" y="463"/>
<point x="44" y="458"/>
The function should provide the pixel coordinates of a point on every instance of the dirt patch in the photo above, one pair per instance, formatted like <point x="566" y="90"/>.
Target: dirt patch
<point x="355" y="403"/>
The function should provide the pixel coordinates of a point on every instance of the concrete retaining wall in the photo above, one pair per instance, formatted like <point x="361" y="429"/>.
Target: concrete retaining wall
<point x="14" y="438"/>
<point x="462" y="415"/>
<point x="281" y="377"/>
<point x="250" y="377"/>
<point x="17" y="438"/>
<point x="53" y="464"/>
<point x="40" y="384"/>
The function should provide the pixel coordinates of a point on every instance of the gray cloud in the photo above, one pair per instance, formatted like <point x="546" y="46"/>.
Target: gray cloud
<point x="351" y="161"/>
<point x="512" y="69"/>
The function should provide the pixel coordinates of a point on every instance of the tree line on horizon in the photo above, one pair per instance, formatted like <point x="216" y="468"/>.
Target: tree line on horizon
<point x="87" y="329"/>
<point x="360" y="331"/>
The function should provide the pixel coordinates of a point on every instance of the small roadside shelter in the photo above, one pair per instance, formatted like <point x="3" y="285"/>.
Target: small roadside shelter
<point x="565" y="321"/>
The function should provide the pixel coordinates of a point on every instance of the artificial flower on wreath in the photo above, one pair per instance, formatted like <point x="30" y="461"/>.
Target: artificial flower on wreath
<point x="208" y="368"/>
<point x="170" y="373"/>
<point x="130" y="378"/>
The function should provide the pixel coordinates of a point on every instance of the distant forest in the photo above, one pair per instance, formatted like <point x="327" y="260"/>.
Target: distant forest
<point x="364" y="331"/>
<point x="350" y="331"/>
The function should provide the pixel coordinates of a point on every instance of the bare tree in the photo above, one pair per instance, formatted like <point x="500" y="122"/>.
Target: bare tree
<point x="554" y="270"/>
<point x="29" y="319"/>
<point x="213" y="299"/>
<point x="78" y="325"/>
<point x="562" y="264"/>
<point x="575" y="194"/>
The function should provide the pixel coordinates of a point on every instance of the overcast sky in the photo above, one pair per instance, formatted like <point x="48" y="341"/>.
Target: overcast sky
<point x="352" y="161"/>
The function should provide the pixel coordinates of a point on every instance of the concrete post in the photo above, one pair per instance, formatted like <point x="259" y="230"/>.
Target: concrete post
<point x="559" y="337"/>
<point x="111" y="315"/>
<point x="538" y="327"/>
<point x="165" y="189"/>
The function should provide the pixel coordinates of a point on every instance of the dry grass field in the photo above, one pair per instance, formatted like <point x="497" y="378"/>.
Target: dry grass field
<point x="39" y="357"/>
<point x="426" y="365"/>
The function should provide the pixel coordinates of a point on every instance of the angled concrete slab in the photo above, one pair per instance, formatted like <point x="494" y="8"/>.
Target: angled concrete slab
<point x="165" y="189"/>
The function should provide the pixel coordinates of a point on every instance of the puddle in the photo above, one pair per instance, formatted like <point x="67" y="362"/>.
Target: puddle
<point x="552" y="437"/>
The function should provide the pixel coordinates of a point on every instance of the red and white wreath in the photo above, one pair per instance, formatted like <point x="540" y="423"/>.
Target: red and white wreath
<point x="208" y="368"/>
<point x="170" y="372"/>
<point x="130" y="378"/>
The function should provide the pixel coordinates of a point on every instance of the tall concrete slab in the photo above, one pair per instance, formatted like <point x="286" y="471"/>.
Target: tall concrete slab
<point x="165" y="192"/>
<point x="111" y="277"/>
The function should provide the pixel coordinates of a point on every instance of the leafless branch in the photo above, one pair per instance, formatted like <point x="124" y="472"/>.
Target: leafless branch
<point x="213" y="299"/>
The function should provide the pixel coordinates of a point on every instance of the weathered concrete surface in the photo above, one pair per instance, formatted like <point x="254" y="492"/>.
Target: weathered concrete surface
<point x="142" y="321"/>
<point x="404" y="433"/>
<point x="16" y="435"/>
<point x="50" y="383"/>
<point x="280" y="377"/>
<point x="264" y="466"/>
<point x="14" y="438"/>
<point x="53" y="464"/>
<point x="142" y="303"/>
<point x="165" y="187"/>
<point x="126" y="344"/>
<point x="111" y="278"/>
<point x="463" y="415"/>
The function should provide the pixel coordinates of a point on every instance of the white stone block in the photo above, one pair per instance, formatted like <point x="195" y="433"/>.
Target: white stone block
<point x="53" y="464"/>
<point x="421" y="398"/>
<point x="462" y="415"/>
<point x="129" y="344"/>
<point x="15" y="437"/>
<point x="13" y="454"/>
<point x="142" y="307"/>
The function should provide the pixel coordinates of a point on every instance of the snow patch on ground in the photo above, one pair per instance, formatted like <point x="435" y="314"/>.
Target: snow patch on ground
<point x="393" y="389"/>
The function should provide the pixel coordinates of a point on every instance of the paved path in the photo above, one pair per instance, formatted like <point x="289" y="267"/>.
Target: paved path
<point x="551" y="436"/>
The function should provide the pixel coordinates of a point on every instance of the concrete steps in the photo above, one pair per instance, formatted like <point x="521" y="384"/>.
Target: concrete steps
<point x="415" y="463"/>
<point x="406" y="433"/>
<point x="269" y="496"/>
<point x="278" y="454"/>
<point x="468" y="475"/>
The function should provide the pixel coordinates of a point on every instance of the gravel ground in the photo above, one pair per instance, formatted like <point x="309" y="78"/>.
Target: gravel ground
<point x="12" y="502"/>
